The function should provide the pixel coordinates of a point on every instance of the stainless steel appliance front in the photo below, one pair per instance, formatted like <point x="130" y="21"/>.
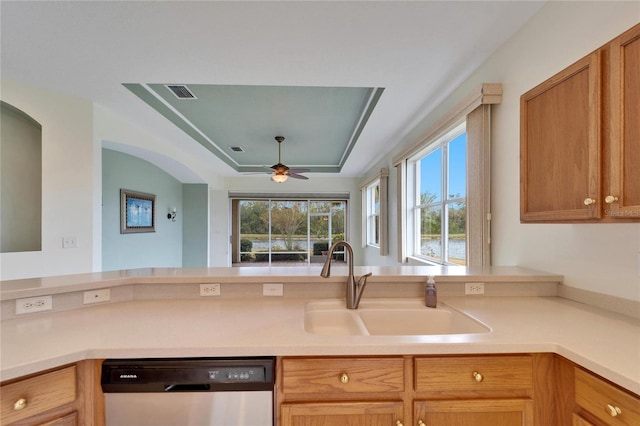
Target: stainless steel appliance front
<point x="189" y="392"/>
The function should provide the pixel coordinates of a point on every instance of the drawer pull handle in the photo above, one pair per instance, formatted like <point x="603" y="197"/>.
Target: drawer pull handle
<point x="478" y="376"/>
<point x="613" y="410"/>
<point x="344" y="378"/>
<point x="20" y="404"/>
<point x="421" y="423"/>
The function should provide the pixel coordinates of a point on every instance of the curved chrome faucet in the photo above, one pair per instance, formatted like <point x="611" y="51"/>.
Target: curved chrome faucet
<point x="354" y="287"/>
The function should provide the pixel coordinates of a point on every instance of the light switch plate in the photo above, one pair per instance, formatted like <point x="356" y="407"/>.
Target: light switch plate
<point x="272" y="289"/>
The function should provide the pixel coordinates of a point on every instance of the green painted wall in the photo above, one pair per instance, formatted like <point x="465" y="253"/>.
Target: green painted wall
<point x="195" y="225"/>
<point x="162" y="248"/>
<point x="20" y="181"/>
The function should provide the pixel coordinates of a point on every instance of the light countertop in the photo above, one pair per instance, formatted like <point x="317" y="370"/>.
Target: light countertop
<point x="14" y="289"/>
<point x="604" y="342"/>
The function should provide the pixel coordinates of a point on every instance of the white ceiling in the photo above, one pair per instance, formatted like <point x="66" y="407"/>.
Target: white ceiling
<point x="418" y="51"/>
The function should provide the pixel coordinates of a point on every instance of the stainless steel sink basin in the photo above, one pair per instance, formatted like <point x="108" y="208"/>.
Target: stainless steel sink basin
<point x="387" y="317"/>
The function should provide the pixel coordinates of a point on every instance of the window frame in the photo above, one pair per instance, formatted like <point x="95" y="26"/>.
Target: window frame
<point x="372" y="212"/>
<point x="236" y="198"/>
<point x="369" y="214"/>
<point x="475" y="108"/>
<point x="415" y="205"/>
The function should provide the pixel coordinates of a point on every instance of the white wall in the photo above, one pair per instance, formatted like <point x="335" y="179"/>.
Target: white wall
<point x="67" y="183"/>
<point x="597" y="257"/>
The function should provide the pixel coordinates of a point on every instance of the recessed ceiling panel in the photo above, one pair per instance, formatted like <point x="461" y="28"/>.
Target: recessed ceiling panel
<point x="239" y="123"/>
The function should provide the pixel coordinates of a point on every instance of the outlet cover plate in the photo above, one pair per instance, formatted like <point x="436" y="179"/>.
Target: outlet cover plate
<point x="34" y="304"/>
<point x="474" y="288"/>
<point x="210" y="289"/>
<point x="96" y="296"/>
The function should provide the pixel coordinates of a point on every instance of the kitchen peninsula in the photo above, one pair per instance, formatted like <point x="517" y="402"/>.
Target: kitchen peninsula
<point x="160" y="313"/>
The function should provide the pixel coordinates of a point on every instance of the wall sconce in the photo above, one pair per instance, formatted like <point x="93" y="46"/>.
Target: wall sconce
<point x="172" y="214"/>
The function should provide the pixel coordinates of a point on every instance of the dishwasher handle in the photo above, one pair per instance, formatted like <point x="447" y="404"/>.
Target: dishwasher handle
<point x="188" y="387"/>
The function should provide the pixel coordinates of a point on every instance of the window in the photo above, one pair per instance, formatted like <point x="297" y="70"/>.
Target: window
<point x="444" y="205"/>
<point x="373" y="214"/>
<point x="439" y="194"/>
<point x="374" y="211"/>
<point x="286" y="232"/>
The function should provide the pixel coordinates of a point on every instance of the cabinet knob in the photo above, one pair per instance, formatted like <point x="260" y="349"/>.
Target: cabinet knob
<point x="613" y="410"/>
<point x="399" y="423"/>
<point x="20" y="404"/>
<point x="478" y="376"/>
<point x="610" y="199"/>
<point x="589" y="201"/>
<point x="344" y="378"/>
<point x="421" y="423"/>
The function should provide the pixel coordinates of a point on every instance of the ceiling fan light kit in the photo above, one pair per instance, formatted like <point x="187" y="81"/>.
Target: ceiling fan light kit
<point x="281" y="172"/>
<point x="279" y="178"/>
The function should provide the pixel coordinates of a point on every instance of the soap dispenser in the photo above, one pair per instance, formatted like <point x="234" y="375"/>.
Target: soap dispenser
<point x="430" y="293"/>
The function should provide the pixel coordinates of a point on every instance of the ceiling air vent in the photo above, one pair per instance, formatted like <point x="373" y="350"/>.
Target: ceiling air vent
<point x="236" y="148"/>
<point x="181" y="91"/>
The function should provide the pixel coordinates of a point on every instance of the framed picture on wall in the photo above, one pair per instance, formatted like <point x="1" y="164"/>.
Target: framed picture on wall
<point x="137" y="212"/>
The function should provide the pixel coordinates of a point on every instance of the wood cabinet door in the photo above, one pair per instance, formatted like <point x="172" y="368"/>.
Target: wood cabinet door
<point x="500" y="412"/>
<point x="623" y="194"/>
<point x="69" y="420"/>
<point x="560" y="145"/>
<point x="342" y="414"/>
<point x="580" y="421"/>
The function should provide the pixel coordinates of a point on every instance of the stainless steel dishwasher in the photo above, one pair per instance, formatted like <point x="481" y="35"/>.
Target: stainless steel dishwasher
<point x="189" y="391"/>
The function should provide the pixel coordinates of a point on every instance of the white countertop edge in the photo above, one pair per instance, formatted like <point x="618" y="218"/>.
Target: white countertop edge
<point x="323" y="350"/>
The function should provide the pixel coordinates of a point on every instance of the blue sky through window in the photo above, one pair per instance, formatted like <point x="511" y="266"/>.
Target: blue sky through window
<point x="431" y="170"/>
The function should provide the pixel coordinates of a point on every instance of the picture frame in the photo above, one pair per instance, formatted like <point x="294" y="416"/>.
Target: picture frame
<point x="137" y="212"/>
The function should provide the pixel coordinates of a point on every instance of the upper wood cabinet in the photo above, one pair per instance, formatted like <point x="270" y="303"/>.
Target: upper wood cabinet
<point x="624" y="127"/>
<point x="580" y="139"/>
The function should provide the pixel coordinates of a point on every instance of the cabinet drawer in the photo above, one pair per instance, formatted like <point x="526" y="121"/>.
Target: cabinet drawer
<point x="474" y="376"/>
<point x="601" y="400"/>
<point x="69" y="420"/>
<point x="39" y="393"/>
<point x="342" y="376"/>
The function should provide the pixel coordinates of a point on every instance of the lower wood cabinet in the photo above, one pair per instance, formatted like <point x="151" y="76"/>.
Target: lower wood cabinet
<point x="353" y="413"/>
<point x="405" y="390"/>
<point x="540" y="389"/>
<point x="337" y="391"/>
<point x="66" y="396"/>
<point x="603" y="403"/>
<point x="474" y="390"/>
<point x="480" y="412"/>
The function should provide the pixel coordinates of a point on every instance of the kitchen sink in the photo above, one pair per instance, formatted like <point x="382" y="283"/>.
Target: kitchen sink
<point x="387" y="317"/>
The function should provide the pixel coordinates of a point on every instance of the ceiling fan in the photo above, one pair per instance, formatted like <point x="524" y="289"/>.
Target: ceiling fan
<point x="281" y="172"/>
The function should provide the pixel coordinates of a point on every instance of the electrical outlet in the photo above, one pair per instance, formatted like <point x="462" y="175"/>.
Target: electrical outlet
<point x="69" y="242"/>
<point x="34" y="304"/>
<point x="474" y="288"/>
<point x="210" y="289"/>
<point x="272" y="289"/>
<point x="96" y="296"/>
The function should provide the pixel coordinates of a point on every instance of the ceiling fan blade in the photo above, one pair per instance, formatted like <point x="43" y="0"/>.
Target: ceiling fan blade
<point x="298" y="170"/>
<point x="296" y="176"/>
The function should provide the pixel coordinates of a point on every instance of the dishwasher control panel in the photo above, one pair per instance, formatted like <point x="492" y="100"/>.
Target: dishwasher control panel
<point x="237" y="375"/>
<point x="187" y="374"/>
